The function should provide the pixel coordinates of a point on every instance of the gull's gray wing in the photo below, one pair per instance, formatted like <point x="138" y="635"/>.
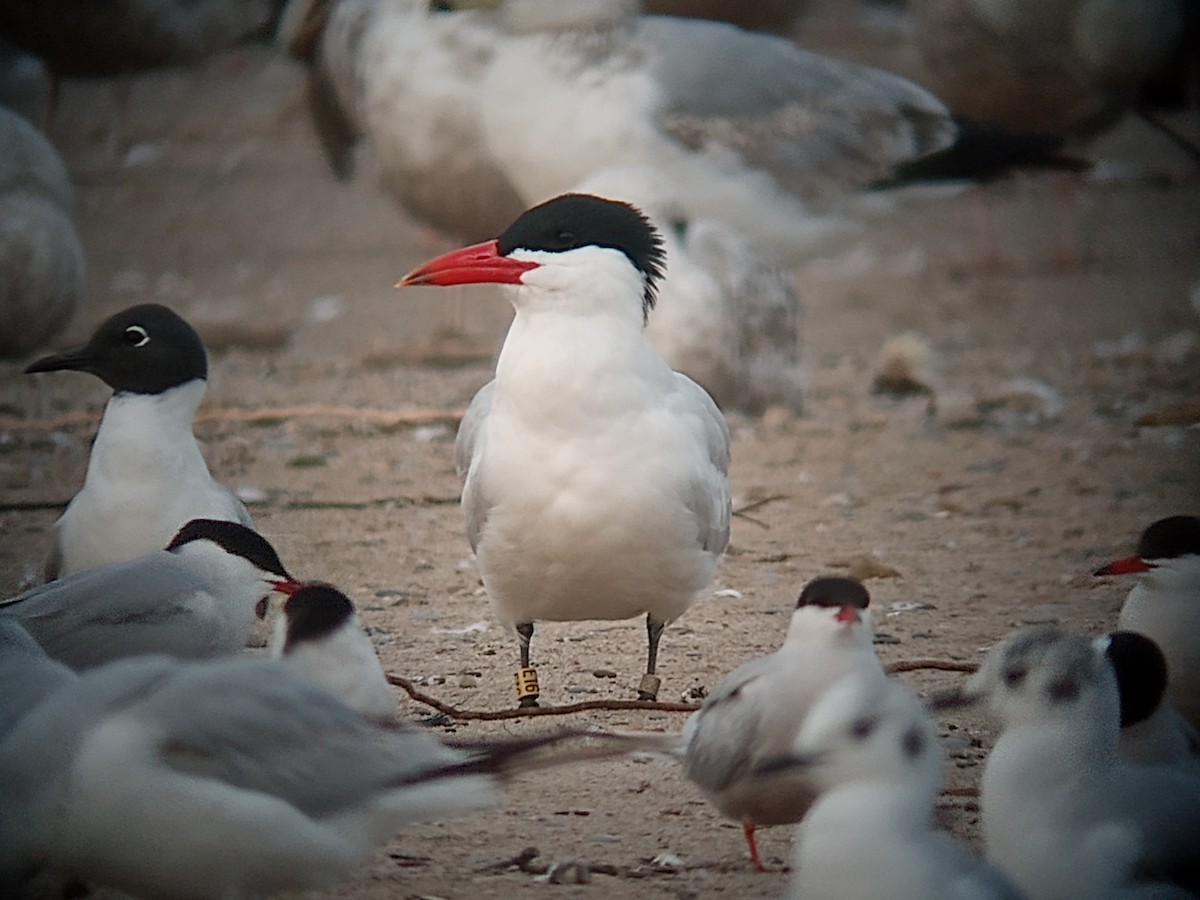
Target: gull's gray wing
<point x="819" y="125"/>
<point x="475" y="502"/>
<point x="708" y="494"/>
<point x="124" y="609"/>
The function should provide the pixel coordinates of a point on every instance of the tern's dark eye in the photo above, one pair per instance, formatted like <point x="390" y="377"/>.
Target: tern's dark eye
<point x="913" y="743"/>
<point x="440" y="6"/>
<point x="861" y="729"/>
<point x="136" y="336"/>
<point x="1014" y="676"/>
<point x="1063" y="690"/>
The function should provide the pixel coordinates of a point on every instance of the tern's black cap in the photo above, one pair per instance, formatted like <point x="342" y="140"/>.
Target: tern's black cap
<point x="234" y="538"/>
<point x="1141" y="671"/>
<point x="145" y="349"/>
<point x="834" y="591"/>
<point x="572" y="221"/>
<point x="1170" y="538"/>
<point x="314" y="611"/>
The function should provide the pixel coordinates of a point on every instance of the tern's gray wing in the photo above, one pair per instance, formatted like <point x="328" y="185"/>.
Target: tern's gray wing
<point x="819" y="125"/>
<point x="253" y="724"/>
<point x="124" y="609"/>
<point x="708" y="493"/>
<point x="721" y="735"/>
<point x="475" y="502"/>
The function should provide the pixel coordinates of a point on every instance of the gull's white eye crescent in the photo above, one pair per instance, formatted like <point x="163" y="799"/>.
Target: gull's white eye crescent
<point x="136" y="336"/>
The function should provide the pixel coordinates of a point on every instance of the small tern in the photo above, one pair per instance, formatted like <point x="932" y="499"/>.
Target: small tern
<point x="198" y="597"/>
<point x="1062" y="814"/>
<point x="754" y="713"/>
<point x="146" y="476"/>
<point x="229" y="778"/>
<point x="1164" y="604"/>
<point x="320" y="634"/>
<point x="1152" y="732"/>
<point x="872" y="752"/>
<point x="596" y="476"/>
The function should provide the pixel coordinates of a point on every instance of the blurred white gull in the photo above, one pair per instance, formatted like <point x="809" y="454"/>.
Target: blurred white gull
<point x="726" y="315"/>
<point x="406" y="74"/>
<point x="871" y="751"/>
<point x="1063" y="815"/>
<point x="41" y="259"/>
<point x="743" y="127"/>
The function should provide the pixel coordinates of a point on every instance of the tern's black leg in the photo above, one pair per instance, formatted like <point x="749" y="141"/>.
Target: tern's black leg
<point x="525" y="635"/>
<point x="648" y="689"/>
<point x="527" y="683"/>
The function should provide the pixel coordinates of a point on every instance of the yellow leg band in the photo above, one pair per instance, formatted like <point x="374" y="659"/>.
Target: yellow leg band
<point x="648" y="688"/>
<point x="527" y="687"/>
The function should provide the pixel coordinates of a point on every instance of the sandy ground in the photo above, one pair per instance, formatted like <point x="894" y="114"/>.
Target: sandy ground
<point x="207" y="192"/>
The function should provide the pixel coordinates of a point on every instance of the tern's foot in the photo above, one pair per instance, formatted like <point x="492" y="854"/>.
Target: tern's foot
<point x="648" y="688"/>
<point x="527" y="687"/>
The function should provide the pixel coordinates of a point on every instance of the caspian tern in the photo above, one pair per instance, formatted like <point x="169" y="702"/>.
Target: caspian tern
<point x="596" y="483"/>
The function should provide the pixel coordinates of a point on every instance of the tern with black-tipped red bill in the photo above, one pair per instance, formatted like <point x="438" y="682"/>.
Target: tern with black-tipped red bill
<point x="1164" y="604"/>
<point x="754" y="713"/>
<point x="199" y="597"/>
<point x="595" y="476"/>
<point x="321" y="636"/>
<point x="146" y="476"/>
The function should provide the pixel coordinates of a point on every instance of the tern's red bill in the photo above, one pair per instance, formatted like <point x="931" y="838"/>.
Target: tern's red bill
<point x="1129" y="565"/>
<point x="477" y="264"/>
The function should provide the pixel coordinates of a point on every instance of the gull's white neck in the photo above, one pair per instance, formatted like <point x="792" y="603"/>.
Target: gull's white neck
<point x="143" y="434"/>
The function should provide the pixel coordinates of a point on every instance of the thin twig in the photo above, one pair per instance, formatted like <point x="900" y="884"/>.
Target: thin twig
<point x="386" y="418"/>
<point x="741" y="511"/>
<point x="944" y="665"/>
<point x="523" y="712"/>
